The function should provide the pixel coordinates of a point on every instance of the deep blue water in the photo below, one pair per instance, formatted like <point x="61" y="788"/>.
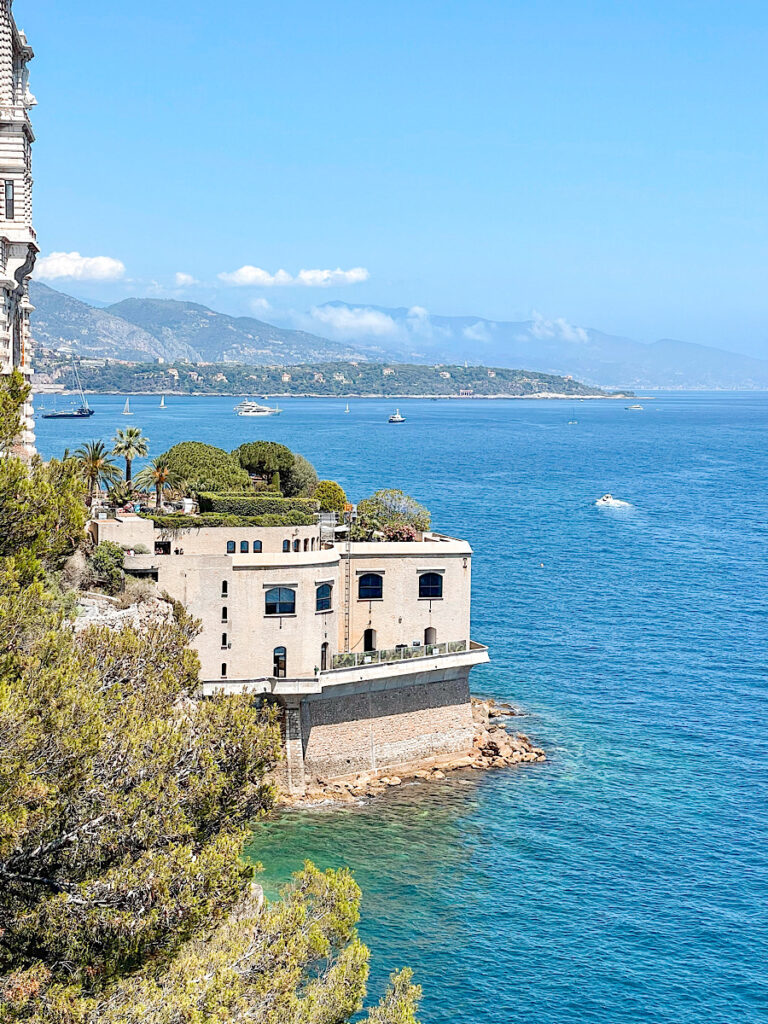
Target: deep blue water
<point x="626" y="880"/>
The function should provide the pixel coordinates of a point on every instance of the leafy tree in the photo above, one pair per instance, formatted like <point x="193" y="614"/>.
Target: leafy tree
<point x="204" y="467"/>
<point x="130" y="444"/>
<point x="301" y="479"/>
<point x="265" y="459"/>
<point x="96" y="466"/>
<point x="120" y="494"/>
<point x="158" y="476"/>
<point x="107" y="563"/>
<point x="391" y="507"/>
<point x="331" y="496"/>
<point x="13" y="395"/>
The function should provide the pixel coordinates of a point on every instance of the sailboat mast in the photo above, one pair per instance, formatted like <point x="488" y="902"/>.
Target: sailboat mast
<point x="83" y="399"/>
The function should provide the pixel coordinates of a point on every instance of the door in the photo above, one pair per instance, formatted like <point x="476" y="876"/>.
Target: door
<point x="278" y="663"/>
<point x="369" y="640"/>
<point x="324" y="658"/>
<point x="430" y="636"/>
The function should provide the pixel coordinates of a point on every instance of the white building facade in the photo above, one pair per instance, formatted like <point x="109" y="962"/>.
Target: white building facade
<point x="366" y="646"/>
<point x="18" y="247"/>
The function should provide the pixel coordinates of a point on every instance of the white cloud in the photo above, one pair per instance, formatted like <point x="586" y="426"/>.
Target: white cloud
<point x="184" y="280"/>
<point x="81" y="268"/>
<point x="558" y="328"/>
<point x="477" y="332"/>
<point x="261" y="305"/>
<point x="255" y="276"/>
<point x="348" y="320"/>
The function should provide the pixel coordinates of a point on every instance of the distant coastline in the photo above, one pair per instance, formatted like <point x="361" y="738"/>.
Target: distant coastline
<point x="351" y="395"/>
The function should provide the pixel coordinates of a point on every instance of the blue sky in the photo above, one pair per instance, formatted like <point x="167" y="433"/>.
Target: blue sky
<point x="601" y="162"/>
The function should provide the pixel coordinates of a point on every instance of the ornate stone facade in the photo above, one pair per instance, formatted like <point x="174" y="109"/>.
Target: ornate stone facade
<point x="18" y="248"/>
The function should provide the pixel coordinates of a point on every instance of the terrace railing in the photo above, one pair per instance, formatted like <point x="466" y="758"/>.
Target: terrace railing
<point x="394" y="654"/>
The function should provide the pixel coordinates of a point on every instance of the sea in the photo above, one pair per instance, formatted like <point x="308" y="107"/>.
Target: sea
<point x="624" y="881"/>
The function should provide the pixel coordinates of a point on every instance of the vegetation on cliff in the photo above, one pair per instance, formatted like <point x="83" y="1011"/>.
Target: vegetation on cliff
<point x="124" y="804"/>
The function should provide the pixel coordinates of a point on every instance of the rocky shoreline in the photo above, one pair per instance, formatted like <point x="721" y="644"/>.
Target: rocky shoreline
<point x="494" y="746"/>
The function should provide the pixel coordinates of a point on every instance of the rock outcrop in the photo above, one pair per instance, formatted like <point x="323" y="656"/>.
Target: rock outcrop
<point x="493" y="747"/>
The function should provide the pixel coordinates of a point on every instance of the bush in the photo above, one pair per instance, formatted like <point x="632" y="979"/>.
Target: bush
<point x="301" y="479"/>
<point x="331" y="496"/>
<point x="399" y="532"/>
<point x="265" y="459"/>
<point x="107" y="563"/>
<point x="254" y="504"/>
<point x="390" y="508"/>
<point x="205" y="468"/>
<point x="184" y="522"/>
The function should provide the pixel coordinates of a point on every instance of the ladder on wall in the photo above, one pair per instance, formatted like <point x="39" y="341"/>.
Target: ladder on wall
<point x="347" y="579"/>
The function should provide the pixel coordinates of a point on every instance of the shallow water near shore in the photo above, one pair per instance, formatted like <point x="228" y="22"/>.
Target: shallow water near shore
<point x="626" y="879"/>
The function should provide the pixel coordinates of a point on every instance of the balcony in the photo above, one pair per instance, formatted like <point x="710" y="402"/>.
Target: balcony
<point x="401" y="653"/>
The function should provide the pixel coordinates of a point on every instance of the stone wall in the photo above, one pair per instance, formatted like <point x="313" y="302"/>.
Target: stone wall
<point x="382" y="727"/>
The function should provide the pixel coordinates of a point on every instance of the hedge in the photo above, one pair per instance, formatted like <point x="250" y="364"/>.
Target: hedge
<point x="187" y="522"/>
<point x="253" y="504"/>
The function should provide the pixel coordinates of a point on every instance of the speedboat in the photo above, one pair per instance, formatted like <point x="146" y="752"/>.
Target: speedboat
<point x="634" y="408"/>
<point x="396" y="417"/>
<point x="608" y="501"/>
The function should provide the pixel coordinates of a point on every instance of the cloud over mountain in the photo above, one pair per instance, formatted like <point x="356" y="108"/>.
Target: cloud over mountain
<point x="79" y="268"/>
<point x="257" y="277"/>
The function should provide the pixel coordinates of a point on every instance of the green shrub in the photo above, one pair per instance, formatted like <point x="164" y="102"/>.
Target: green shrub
<point x="186" y="522"/>
<point x="107" y="563"/>
<point x="205" y="468"/>
<point x="331" y="496"/>
<point x="254" y="504"/>
<point x="265" y="459"/>
<point x="390" y="508"/>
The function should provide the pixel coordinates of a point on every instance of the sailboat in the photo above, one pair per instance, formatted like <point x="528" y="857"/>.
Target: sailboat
<point x="347" y="409"/>
<point x="75" y="412"/>
<point x="127" y="408"/>
<point x="162" y="401"/>
<point x="572" y="422"/>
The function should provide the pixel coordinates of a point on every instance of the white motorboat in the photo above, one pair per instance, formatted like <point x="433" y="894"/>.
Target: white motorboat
<point x="396" y="417"/>
<point x="608" y="501"/>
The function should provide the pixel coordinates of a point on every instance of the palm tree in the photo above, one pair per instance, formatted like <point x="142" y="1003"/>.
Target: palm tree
<point x="159" y="476"/>
<point x="96" y="465"/>
<point x="130" y="444"/>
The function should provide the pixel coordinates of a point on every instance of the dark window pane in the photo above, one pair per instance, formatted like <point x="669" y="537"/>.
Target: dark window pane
<point x="370" y="586"/>
<point x="323" y="598"/>
<point x="256" y="546"/>
<point x="280" y="601"/>
<point x="430" y="585"/>
<point x="230" y="547"/>
<point x="244" y="547"/>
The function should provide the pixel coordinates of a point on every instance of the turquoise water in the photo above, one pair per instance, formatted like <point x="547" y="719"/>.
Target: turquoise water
<point x="626" y="880"/>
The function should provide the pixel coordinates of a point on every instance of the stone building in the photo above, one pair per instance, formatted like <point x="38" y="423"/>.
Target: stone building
<point x="366" y="646"/>
<point x="18" y="247"/>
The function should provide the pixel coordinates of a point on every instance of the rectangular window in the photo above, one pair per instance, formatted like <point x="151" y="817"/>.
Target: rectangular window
<point x="224" y="614"/>
<point x="10" y="201"/>
<point x="224" y="669"/>
<point x="223" y="639"/>
<point x="224" y="588"/>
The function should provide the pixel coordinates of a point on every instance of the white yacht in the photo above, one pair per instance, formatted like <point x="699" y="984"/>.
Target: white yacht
<point x="250" y="408"/>
<point x="396" y="417"/>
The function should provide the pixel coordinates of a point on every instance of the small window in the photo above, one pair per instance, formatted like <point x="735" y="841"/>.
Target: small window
<point x="286" y="545"/>
<point x="10" y="201"/>
<point x="306" y="543"/>
<point x="243" y="547"/>
<point x="230" y="547"/>
<point x="430" y="636"/>
<point x="430" y="584"/>
<point x="280" y="601"/>
<point x="256" y="547"/>
<point x="278" y="663"/>
<point x="224" y="588"/>
<point x="323" y="598"/>
<point x="297" y="545"/>
<point x="370" y="586"/>
<point x="312" y="545"/>
<point x="223" y="639"/>
<point x="224" y="614"/>
<point x="369" y="641"/>
<point x="324" y="657"/>
<point x="224" y="670"/>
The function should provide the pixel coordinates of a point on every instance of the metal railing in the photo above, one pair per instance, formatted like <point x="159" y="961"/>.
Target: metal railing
<point x="401" y="653"/>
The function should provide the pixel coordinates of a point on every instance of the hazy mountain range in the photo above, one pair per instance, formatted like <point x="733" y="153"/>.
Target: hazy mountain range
<point x="142" y="329"/>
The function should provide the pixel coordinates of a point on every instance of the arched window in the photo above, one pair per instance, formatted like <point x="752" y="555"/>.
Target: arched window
<point x="243" y="547"/>
<point x="323" y="598"/>
<point x="286" y="545"/>
<point x="370" y="586"/>
<point x="256" y="547"/>
<point x="224" y="669"/>
<point x="430" y="584"/>
<point x="297" y="545"/>
<point x="224" y="614"/>
<point x="230" y="547"/>
<point x="223" y="639"/>
<point x="430" y="636"/>
<point x="280" y="601"/>
<point x="278" y="663"/>
<point x="306" y="543"/>
<point x="324" y="657"/>
<point x="369" y="640"/>
<point x="224" y="588"/>
<point x="312" y="545"/>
